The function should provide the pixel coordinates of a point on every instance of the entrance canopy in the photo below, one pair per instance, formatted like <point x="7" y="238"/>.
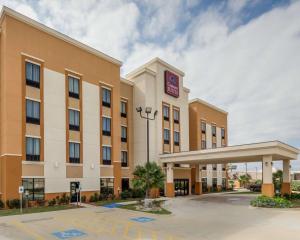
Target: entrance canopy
<point x="253" y="152"/>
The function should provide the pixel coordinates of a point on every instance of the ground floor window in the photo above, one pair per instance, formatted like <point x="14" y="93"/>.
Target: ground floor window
<point x="214" y="184"/>
<point x="204" y="185"/>
<point x="34" y="188"/>
<point x="181" y="187"/>
<point x="224" y="183"/>
<point x="106" y="186"/>
<point x="125" y="184"/>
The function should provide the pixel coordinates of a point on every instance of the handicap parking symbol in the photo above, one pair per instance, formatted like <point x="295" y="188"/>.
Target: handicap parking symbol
<point x="142" y="219"/>
<point x="68" y="234"/>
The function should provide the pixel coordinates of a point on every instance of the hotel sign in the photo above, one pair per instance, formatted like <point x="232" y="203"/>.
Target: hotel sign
<point x="171" y="84"/>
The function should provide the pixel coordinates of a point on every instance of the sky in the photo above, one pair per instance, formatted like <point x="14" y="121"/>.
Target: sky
<point x="240" y="55"/>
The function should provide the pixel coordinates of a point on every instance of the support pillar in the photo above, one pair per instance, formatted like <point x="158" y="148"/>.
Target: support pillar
<point x="209" y="175"/>
<point x="170" y="181"/>
<point x="198" y="182"/>
<point x="267" y="186"/>
<point x="286" y="177"/>
<point x="219" y="177"/>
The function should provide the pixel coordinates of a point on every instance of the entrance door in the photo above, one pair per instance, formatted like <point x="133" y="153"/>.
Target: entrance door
<point x="181" y="187"/>
<point x="74" y="190"/>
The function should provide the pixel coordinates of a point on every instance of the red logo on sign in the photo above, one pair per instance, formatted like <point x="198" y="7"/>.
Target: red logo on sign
<point x="171" y="84"/>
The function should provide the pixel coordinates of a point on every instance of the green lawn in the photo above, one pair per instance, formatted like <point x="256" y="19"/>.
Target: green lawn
<point x="105" y="202"/>
<point x="162" y="211"/>
<point x="8" y="212"/>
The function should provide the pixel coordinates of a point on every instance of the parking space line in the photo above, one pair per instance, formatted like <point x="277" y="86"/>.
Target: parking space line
<point x="27" y="230"/>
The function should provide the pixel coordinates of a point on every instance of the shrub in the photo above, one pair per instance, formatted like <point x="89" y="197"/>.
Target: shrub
<point x="52" y="202"/>
<point x="292" y="196"/>
<point x="1" y="204"/>
<point x="103" y="196"/>
<point x="295" y="185"/>
<point x="138" y="193"/>
<point x="14" y="203"/>
<point x="83" y="198"/>
<point x="269" y="202"/>
<point x="94" y="198"/>
<point x="126" y="194"/>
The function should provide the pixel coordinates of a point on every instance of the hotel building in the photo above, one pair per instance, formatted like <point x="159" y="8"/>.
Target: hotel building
<point x="68" y="119"/>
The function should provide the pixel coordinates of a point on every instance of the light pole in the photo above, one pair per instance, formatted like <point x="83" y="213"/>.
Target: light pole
<point x="146" y="116"/>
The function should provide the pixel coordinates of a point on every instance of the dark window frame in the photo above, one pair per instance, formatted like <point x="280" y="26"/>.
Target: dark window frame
<point x="74" y="94"/>
<point x="32" y="119"/>
<point x="32" y="156"/>
<point x="106" y="161"/>
<point x="123" y="114"/>
<point x="203" y="127"/>
<point x="124" y="162"/>
<point x="166" y="117"/>
<point x="223" y="133"/>
<point x="176" y="120"/>
<point x="74" y="127"/>
<point x="177" y="143"/>
<point x="123" y="139"/>
<point x="203" y="144"/>
<point x="167" y="141"/>
<point x="106" y="97"/>
<point x="105" y="187"/>
<point x="31" y="82"/>
<point x="74" y="159"/>
<point x="33" y="189"/>
<point x="106" y="132"/>
<point x="214" y="130"/>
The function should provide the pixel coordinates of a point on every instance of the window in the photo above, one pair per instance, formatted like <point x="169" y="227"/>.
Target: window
<point x="223" y="133"/>
<point x="176" y="116"/>
<point x="203" y="144"/>
<point x="125" y="184"/>
<point x="166" y="136"/>
<point x="106" y="95"/>
<point x="214" y="167"/>
<point x="106" y="186"/>
<point x="123" y="134"/>
<point x="106" y="129"/>
<point x="223" y="168"/>
<point x="124" y="159"/>
<point x="204" y="168"/>
<point x="32" y="112"/>
<point x="213" y="130"/>
<point x="74" y="152"/>
<point x="176" y="138"/>
<point x="34" y="188"/>
<point x="32" y="149"/>
<point x="123" y="109"/>
<point x="203" y="127"/>
<point x="214" y="145"/>
<point x="106" y="155"/>
<point x="32" y="75"/>
<point x="73" y="87"/>
<point x="166" y="112"/>
<point x="74" y="120"/>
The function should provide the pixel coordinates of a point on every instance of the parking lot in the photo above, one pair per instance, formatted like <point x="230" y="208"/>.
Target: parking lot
<point x="210" y="216"/>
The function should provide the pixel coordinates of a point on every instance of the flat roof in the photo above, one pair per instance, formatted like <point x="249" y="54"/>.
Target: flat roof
<point x="252" y="152"/>
<point x="198" y="100"/>
<point x="8" y="11"/>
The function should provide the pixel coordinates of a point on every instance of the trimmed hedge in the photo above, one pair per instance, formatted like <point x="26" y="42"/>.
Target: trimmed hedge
<point x="269" y="202"/>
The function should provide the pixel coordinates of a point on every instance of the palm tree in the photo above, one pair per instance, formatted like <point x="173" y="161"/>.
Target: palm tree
<point x="149" y="176"/>
<point x="244" y="179"/>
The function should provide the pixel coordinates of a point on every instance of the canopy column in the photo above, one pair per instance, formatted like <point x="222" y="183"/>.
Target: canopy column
<point x="267" y="186"/>
<point x="198" y="182"/>
<point x="170" y="180"/>
<point x="286" y="183"/>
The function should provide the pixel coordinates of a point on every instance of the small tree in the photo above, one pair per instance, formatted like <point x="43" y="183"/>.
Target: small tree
<point x="149" y="176"/>
<point x="244" y="179"/>
<point x="277" y="179"/>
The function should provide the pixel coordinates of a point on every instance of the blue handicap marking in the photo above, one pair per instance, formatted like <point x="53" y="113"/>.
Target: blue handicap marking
<point x="72" y="233"/>
<point x="142" y="219"/>
<point x="112" y="205"/>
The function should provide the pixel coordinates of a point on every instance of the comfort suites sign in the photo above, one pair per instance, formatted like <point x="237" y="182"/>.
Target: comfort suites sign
<point x="171" y="84"/>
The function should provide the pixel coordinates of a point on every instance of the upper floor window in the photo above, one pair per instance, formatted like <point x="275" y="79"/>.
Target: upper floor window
<point x="106" y="126"/>
<point x="166" y="136"/>
<point x="73" y="87"/>
<point x="223" y="133"/>
<point x="213" y="130"/>
<point x="176" y="116"/>
<point x="166" y="112"/>
<point x="176" y="138"/>
<point x="203" y="144"/>
<point x="106" y="97"/>
<point x="74" y="120"/>
<point x="32" y="149"/>
<point x="74" y="152"/>
<point x="204" y="168"/>
<point x="124" y="159"/>
<point x="106" y="155"/>
<point x="123" y="109"/>
<point x="123" y="134"/>
<point x="214" y="145"/>
<point x="32" y="111"/>
<point x="203" y="127"/>
<point x="32" y="74"/>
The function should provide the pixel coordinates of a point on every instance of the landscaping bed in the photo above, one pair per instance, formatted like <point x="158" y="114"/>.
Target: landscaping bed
<point x="155" y="209"/>
<point x="287" y="201"/>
